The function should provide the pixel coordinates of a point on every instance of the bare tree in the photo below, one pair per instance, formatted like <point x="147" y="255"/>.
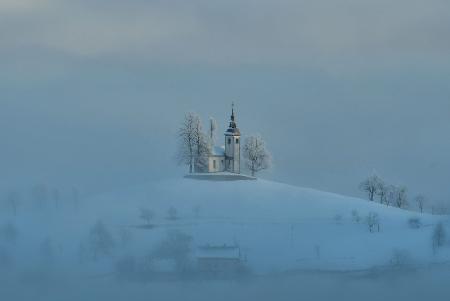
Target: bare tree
<point x="371" y="185"/>
<point x="401" y="197"/>
<point x="193" y="146"/>
<point x="147" y="215"/>
<point x="202" y="147"/>
<point x="420" y="200"/>
<point x="187" y="141"/>
<point x="373" y="221"/>
<point x="382" y="191"/>
<point x="101" y="241"/>
<point x="391" y="195"/>
<point x="257" y="157"/>
<point x="438" y="238"/>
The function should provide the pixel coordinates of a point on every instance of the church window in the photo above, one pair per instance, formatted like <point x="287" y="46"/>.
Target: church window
<point x="229" y="140"/>
<point x="237" y="140"/>
<point x="214" y="164"/>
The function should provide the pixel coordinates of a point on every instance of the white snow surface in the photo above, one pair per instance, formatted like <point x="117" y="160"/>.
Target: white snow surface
<point x="277" y="226"/>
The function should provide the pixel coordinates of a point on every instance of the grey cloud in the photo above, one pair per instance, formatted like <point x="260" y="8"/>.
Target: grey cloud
<point x="235" y="31"/>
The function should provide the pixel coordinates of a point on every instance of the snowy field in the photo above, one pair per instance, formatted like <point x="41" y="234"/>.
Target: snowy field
<point x="283" y="231"/>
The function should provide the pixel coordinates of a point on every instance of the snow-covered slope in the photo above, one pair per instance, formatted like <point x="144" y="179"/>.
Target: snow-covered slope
<point x="278" y="226"/>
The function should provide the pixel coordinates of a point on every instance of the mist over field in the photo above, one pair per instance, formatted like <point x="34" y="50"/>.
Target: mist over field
<point x="347" y="96"/>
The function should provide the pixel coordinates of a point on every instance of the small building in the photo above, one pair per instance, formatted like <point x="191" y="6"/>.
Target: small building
<point x="220" y="260"/>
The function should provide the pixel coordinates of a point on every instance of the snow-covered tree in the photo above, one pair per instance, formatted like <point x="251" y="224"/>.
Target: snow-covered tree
<point x="373" y="221"/>
<point x="187" y="140"/>
<point x="420" y="200"/>
<point x="193" y="145"/>
<point x="202" y="147"/>
<point x="256" y="156"/>
<point x="391" y="194"/>
<point x="382" y="191"/>
<point x="371" y="185"/>
<point x="401" y="197"/>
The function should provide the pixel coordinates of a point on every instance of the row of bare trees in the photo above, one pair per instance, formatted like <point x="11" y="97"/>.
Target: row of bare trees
<point x="391" y="195"/>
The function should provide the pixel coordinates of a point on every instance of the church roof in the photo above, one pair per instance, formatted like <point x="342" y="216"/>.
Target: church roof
<point x="218" y="151"/>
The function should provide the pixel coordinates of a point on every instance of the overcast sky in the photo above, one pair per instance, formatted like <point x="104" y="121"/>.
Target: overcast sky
<point x="92" y="91"/>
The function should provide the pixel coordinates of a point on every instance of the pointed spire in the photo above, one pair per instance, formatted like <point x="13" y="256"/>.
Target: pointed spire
<point x="232" y="111"/>
<point x="232" y="122"/>
<point x="233" y="127"/>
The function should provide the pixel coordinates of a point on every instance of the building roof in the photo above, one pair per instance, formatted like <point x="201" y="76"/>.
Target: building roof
<point x="218" y="151"/>
<point x="218" y="252"/>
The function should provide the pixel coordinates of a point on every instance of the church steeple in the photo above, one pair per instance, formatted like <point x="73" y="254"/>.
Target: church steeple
<point x="232" y="145"/>
<point x="232" y="129"/>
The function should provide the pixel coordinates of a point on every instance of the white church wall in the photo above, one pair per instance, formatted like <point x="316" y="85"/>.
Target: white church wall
<point x="218" y="166"/>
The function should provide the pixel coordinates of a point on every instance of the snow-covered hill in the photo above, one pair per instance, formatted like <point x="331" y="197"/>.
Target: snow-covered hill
<point x="278" y="226"/>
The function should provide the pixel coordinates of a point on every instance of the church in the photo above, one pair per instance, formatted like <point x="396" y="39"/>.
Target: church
<point x="227" y="158"/>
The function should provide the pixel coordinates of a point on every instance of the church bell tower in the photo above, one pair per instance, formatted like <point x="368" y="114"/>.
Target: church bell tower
<point x="232" y="146"/>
